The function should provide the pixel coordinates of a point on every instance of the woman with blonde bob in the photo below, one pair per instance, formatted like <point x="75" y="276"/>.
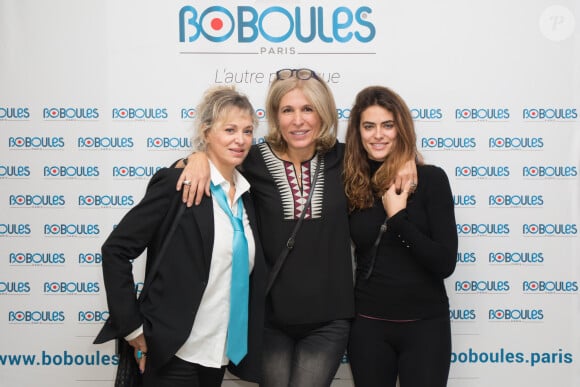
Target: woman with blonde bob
<point x="184" y="331"/>
<point x="405" y="244"/>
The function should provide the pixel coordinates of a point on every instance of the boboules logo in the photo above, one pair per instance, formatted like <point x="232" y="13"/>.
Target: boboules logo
<point x="482" y="171"/>
<point x="23" y="316"/>
<point x="516" y="257"/>
<point x="14" y="171"/>
<point x="139" y="113"/>
<point x="464" y="200"/>
<point x="71" y="230"/>
<point x="70" y="288"/>
<point x="105" y="201"/>
<point x="515" y="314"/>
<point x="70" y="113"/>
<point x="168" y="143"/>
<point x="276" y="24"/>
<point x="482" y="114"/>
<point x="549" y="171"/>
<point x="483" y="229"/>
<point x="482" y="286"/>
<point x="515" y="200"/>
<point x="462" y="314"/>
<point x="90" y="259"/>
<point x="101" y="143"/>
<point x="134" y="171"/>
<point x="549" y="114"/>
<point x="32" y="143"/>
<point x="427" y="114"/>
<point x="71" y="171"/>
<point x="550" y="286"/>
<point x="12" y="113"/>
<point x="343" y="114"/>
<point x="92" y="316"/>
<point x="188" y="113"/>
<point x="448" y="143"/>
<point x="36" y="201"/>
<point x="516" y="143"/>
<point x="14" y="287"/>
<point x="14" y="229"/>
<point x="550" y="229"/>
<point x="466" y="257"/>
<point x="36" y="258"/>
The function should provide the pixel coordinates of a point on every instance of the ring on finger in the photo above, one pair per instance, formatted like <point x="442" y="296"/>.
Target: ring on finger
<point x="141" y="354"/>
<point x="187" y="182"/>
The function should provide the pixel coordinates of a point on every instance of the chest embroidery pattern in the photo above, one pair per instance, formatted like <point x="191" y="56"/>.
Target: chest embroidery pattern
<point x="292" y="196"/>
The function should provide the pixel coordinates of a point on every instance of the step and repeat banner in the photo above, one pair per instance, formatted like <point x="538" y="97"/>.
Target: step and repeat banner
<point x="96" y="96"/>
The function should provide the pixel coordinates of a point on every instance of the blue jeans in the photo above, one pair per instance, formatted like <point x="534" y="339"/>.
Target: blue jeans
<point x="303" y="355"/>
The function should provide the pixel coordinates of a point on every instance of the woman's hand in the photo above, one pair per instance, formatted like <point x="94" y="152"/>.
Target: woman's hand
<point x="394" y="201"/>
<point x="407" y="174"/>
<point x="195" y="178"/>
<point x="140" y="351"/>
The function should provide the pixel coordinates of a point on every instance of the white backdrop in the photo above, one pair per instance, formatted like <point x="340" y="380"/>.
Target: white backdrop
<point x="95" y="96"/>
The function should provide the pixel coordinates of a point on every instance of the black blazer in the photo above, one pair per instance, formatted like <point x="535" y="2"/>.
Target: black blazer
<point x="168" y="311"/>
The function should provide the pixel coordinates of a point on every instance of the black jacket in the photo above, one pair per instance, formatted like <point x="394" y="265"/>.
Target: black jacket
<point x="168" y="311"/>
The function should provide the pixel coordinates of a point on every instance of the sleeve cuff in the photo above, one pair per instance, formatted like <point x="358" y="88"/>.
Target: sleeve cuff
<point x="134" y="334"/>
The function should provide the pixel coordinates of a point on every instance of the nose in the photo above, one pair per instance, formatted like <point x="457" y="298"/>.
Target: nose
<point x="298" y="118"/>
<point x="239" y="137"/>
<point x="378" y="133"/>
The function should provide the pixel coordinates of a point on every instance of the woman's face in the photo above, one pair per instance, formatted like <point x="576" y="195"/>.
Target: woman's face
<point x="378" y="132"/>
<point x="298" y="121"/>
<point x="229" y="139"/>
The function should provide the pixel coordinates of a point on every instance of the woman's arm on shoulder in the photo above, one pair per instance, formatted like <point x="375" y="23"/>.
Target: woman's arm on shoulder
<point x="195" y="178"/>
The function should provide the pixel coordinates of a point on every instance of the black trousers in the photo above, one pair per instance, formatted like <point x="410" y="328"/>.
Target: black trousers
<point x="418" y="352"/>
<point x="180" y="373"/>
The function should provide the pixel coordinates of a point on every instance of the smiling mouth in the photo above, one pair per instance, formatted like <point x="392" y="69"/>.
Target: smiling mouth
<point x="379" y="145"/>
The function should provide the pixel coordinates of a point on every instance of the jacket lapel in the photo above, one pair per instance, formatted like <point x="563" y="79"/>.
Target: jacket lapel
<point x="249" y="206"/>
<point x="203" y="217"/>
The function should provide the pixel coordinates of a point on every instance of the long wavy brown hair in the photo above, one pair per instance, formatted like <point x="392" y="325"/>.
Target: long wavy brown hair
<point x="361" y="188"/>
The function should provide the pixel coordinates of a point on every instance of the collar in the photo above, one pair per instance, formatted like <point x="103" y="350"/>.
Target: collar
<point x="242" y="185"/>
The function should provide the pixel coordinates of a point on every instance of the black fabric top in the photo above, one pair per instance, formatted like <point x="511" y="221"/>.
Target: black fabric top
<point x="315" y="284"/>
<point x="416" y="253"/>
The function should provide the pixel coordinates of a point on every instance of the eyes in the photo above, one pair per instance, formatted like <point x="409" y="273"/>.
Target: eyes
<point x="384" y="125"/>
<point x="290" y="109"/>
<point x="232" y="130"/>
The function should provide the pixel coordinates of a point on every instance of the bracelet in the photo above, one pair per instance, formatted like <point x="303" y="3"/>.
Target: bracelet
<point x="184" y="160"/>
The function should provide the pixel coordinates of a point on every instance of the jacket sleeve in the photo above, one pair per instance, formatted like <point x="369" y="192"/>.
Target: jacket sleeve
<point x="128" y="241"/>
<point x="436" y="250"/>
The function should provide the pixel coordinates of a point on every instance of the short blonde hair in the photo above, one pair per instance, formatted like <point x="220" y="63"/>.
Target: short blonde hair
<point x="318" y="94"/>
<point x="216" y="102"/>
